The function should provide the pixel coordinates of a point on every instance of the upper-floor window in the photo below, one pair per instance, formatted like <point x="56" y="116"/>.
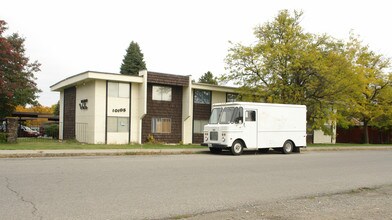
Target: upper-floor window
<point x="118" y="90"/>
<point x="231" y="97"/>
<point x="161" y="93"/>
<point x="202" y="97"/>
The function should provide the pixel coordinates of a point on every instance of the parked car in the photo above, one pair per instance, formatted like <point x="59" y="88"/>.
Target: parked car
<point x="25" y="131"/>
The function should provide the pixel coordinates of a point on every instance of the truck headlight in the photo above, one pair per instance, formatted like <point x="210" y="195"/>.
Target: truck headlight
<point x="223" y="137"/>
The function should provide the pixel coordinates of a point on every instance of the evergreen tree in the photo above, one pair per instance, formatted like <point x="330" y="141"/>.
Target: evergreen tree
<point x="133" y="60"/>
<point x="209" y="78"/>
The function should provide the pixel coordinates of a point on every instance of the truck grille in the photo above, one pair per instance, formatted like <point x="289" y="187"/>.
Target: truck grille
<point x="214" y="135"/>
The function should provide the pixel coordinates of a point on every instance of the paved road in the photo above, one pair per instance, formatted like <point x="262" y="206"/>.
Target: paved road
<point x="155" y="187"/>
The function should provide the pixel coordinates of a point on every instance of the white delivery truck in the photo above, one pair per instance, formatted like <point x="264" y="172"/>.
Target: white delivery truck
<point x="255" y="126"/>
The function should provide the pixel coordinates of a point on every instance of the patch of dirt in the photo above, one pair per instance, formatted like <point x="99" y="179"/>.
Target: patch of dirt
<point x="362" y="203"/>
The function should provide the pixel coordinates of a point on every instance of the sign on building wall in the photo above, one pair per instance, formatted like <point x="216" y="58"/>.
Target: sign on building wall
<point x="83" y="104"/>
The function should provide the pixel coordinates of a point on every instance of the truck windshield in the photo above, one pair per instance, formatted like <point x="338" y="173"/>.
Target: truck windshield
<point x="227" y="115"/>
<point x="215" y="115"/>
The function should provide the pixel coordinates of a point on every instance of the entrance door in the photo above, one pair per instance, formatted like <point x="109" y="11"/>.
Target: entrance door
<point x="250" y="128"/>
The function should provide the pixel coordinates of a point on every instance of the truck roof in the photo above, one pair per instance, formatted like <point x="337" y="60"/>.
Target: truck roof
<point x="256" y="104"/>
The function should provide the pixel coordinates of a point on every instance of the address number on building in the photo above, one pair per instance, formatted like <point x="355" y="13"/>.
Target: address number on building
<point x="119" y="110"/>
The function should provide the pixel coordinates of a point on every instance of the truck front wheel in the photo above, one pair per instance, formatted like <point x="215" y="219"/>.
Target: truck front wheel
<point x="237" y="148"/>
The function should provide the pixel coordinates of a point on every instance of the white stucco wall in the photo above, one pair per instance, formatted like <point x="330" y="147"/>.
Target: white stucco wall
<point x="218" y="97"/>
<point x="134" y="125"/>
<point x="142" y="102"/>
<point x="84" y="118"/>
<point x="100" y="112"/>
<point x="114" y="104"/>
<point x="320" y="138"/>
<point x="61" y="113"/>
<point x="187" y="106"/>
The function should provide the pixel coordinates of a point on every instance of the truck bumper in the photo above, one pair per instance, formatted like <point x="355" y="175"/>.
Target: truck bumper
<point x="215" y="145"/>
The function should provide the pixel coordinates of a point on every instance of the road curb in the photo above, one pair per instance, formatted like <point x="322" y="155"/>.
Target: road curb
<point x="346" y="148"/>
<point x="146" y="152"/>
<point x="42" y="153"/>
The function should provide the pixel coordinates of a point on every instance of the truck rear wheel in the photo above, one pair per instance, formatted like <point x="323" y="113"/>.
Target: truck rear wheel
<point x="288" y="147"/>
<point x="237" y="148"/>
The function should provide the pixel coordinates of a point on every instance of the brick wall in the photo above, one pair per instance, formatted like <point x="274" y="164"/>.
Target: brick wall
<point x="166" y="109"/>
<point x="69" y="113"/>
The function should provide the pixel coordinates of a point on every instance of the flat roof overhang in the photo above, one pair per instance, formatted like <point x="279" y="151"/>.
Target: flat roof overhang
<point x="210" y="87"/>
<point x="93" y="75"/>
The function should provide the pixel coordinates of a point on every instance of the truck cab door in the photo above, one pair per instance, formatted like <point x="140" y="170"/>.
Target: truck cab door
<point x="250" y="128"/>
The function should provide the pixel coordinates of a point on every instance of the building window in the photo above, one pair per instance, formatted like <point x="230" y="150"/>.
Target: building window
<point x="161" y="93"/>
<point x="202" y="97"/>
<point x="118" y="124"/>
<point x="231" y="97"/>
<point x="198" y="126"/>
<point x="161" y="125"/>
<point x="118" y="90"/>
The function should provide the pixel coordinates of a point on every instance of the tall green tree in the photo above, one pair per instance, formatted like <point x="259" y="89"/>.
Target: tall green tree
<point x="372" y="100"/>
<point x="288" y="65"/>
<point x="133" y="60"/>
<point x="17" y="85"/>
<point x="56" y="108"/>
<point x="208" y="78"/>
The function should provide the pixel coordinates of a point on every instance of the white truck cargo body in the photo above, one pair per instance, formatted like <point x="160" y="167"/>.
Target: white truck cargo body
<point x="238" y="125"/>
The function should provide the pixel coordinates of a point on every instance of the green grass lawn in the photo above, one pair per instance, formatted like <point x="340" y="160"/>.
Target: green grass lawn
<point x="47" y="144"/>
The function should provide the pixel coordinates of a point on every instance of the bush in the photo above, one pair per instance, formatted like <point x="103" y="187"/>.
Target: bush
<point x="52" y="131"/>
<point x="3" y="137"/>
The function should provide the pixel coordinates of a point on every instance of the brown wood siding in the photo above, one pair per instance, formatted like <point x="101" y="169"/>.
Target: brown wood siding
<point x="69" y="113"/>
<point x="164" y="109"/>
<point x="356" y="135"/>
<point x="167" y="79"/>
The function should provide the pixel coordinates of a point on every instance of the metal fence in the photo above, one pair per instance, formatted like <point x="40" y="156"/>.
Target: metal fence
<point x="81" y="132"/>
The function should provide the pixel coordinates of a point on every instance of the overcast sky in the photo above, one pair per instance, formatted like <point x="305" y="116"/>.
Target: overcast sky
<point x="178" y="37"/>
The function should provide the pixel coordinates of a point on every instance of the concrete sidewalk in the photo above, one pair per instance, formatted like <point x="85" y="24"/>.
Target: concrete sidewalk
<point x="124" y="152"/>
<point x="96" y="152"/>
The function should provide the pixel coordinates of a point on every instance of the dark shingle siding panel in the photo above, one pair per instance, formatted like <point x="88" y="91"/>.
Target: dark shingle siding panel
<point x="200" y="112"/>
<point x="69" y="113"/>
<point x="164" y="109"/>
<point x="167" y="79"/>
